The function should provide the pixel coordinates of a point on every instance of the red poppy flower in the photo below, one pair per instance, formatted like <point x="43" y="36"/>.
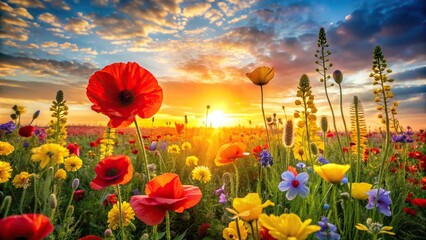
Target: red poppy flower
<point x="91" y="237"/>
<point x="78" y="195"/>
<point x="410" y="211"/>
<point x="264" y="232"/>
<point x="409" y="197"/>
<point x="419" y="202"/>
<point x="179" y="127"/>
<point x="203" y="229"/>
<point x="25" y="226"/>
<point x="164" y="193"/>
<point x="121" y="91"/>
<point x="111" y="199"/>
<point x="112" y="170"/>
<point x="229" y="152"/>
<point x="73" y="148"/>
<point x="26" y="131"/>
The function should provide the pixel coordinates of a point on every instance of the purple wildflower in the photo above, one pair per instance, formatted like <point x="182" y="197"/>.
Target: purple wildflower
<point x="266" y="158"/>
<point x="221" y="193"/>
<point x="403" y="138"/>
<point x="382" y="203"/>
<point x="153" y="146"/>
<point x="328" y="231"/>
<point x="8" y="127"/>
<point x="41" y="134"/>
<point x="322" y="160"/>
<point x="294" y="185"/>
<point x="301" y="165"/>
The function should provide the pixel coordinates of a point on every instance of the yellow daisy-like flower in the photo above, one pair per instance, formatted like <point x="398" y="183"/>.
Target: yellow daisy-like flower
<point x="231" y="233"/>
<point x="22" y="180"/>
<point x="287" y="226"/>
<point x="331" y="172"/>
<point x="5" y="171"/>
<point x="191" y="161"/>
<point x="359" y="190"/>
<point x="73" y="163"/>
<point x="202" y="174"/>
<point x="49" y="153"/>
<point x="374" y="228"/>
<point x="173" y="149"/>
<point x="186" y="146"/>
<point x="61" y="174"/>
<point x="127" y="214"/>
<point x="249" y="208"/>
<point x="6" y="148"/>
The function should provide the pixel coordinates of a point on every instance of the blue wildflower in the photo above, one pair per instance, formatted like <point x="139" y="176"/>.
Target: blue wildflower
<point x="382" y="203"/>
<point x="153" y="146"/>
<point x="266" y="158"/>
<point x="344" y="180"/>
<point x="328" y="231"/>
<point x="294" y="185"/>
<point x="322" y="160"/>
<point x="326" y="207"/>
<point x="301" y="165"/>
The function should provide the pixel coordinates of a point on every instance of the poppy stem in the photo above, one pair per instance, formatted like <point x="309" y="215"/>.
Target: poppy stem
<point x="168" y="237"/>
<point x="123" y="235"/>
<point x="238" y="228"/>
<point x="263" y="114"/>
<point x="142" y="145"/>
<point x="237" y="180"/>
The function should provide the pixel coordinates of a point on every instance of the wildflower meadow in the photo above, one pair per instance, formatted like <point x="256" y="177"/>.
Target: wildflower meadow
<point x="297" y="176"/>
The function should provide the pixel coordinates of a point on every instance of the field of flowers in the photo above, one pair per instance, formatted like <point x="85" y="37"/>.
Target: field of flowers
<point x="296" y="178"/>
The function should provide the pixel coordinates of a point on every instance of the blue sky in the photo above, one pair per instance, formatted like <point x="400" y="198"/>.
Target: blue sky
<point x="200" y="51"/>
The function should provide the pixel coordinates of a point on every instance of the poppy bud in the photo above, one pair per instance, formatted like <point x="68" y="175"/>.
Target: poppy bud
<point x="338" y="76"/>
<point x="52" y="201"/>
<point x="36" y="114"/>
<point x="324" y="124"/>
<point x="314" y="149"/>
<point x="75" y="183"/>
<point x="108" y="233"/>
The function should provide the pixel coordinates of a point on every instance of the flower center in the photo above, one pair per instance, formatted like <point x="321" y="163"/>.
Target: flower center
<point x="111" y="172"/>
<point x="295" y="183"/>
<point x="126" y="97"/>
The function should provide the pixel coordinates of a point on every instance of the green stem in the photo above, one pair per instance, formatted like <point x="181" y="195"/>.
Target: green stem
<point x="142" y="146"/>
<point x="252" y="231"/>
<point x="237" y="179"/>
<point x="238" y="228"/>
<point x="154" y="232"/>
<point x="168" y="236"/>
<point x="325" y="196"/>
<point x="263" y="114"/>
<point x="35" y="193"/>
<point x="336" y="214"/>
<point x="259" y="180"/>
<point x="307" y="129"/>
<point x="22" y="199"/>
<point x="123" y="235"/>
<point x="69" y="203"/>
<point x="341" y="110"/>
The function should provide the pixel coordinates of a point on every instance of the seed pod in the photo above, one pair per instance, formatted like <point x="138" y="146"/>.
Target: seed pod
<point x="288" y="133"/>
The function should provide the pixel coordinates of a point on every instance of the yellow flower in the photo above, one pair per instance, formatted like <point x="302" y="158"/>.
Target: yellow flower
<point x="332" y="172"/>
<point x="374" y="228"/>
<point x="173" y="149"/>
<point x="61" y="174"/>
<point x="186" y="146"/>
<point x="22" y="180"/>
<point x="250" y="207"/>
<point x="21" y="109"/>
<point x="359" y="190"/>
<point x="261" y="75"/>
<point x="73" y="163"/>
<point x="231" y="233"/>
<point x="202" y="174"/>
<point x="5" y="170"/>
<point x="191" y="160"/>
<point x="49" y="153"/>
<point x="6" y="148"/>
<point x="287" y="226"/>
<point x="127" y="214"/>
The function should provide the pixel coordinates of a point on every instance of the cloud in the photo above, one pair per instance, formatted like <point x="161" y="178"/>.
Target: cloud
<point x="50" y="70"/>
<point x="78" y="26"/>
<point x="411" y="74"/>
<point x="50" y="19"/>
<point x="59" y="4"/>
<point x="28" y="3"/>
<point x="13" y="27"/>
<point x="196" y="9"/>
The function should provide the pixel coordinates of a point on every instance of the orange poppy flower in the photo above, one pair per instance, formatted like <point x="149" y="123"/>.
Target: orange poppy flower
<point x="25" y="226"/>
<point x="112" y="170"/>
<point x="121" y="91"/>
<point x="164" y="193"/>
<point x="229" y="152"/>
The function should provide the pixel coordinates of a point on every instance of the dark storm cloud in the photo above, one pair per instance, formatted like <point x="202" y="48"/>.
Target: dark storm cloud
<point x="413" y="74"/>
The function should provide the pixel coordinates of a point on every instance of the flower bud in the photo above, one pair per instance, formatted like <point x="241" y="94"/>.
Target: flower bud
<point x="314" y="149"/>
<point x="108" y="233"/>
<point x="298" y="102"/>
<point x="52" y="201"/>
<point x="75" y="183"/>
<point x="338" y="76"/>
<point x="288" y="133"/>
<point x="324" y="124"/>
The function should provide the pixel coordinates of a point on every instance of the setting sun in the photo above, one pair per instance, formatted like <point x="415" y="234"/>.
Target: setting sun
<point x="216" y="119"/>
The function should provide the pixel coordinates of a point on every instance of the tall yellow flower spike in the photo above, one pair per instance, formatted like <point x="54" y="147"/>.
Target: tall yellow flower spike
<point x="287" y="226"/>
<point x="249" y="208"/>
<point x="331" y="172"/>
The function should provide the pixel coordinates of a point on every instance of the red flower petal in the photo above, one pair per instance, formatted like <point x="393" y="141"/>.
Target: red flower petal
<point x="112" y="170"/>
<point x="25" y="226"/>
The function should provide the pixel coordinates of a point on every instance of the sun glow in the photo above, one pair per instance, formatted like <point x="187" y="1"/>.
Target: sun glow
<point x="217" y="119"/>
